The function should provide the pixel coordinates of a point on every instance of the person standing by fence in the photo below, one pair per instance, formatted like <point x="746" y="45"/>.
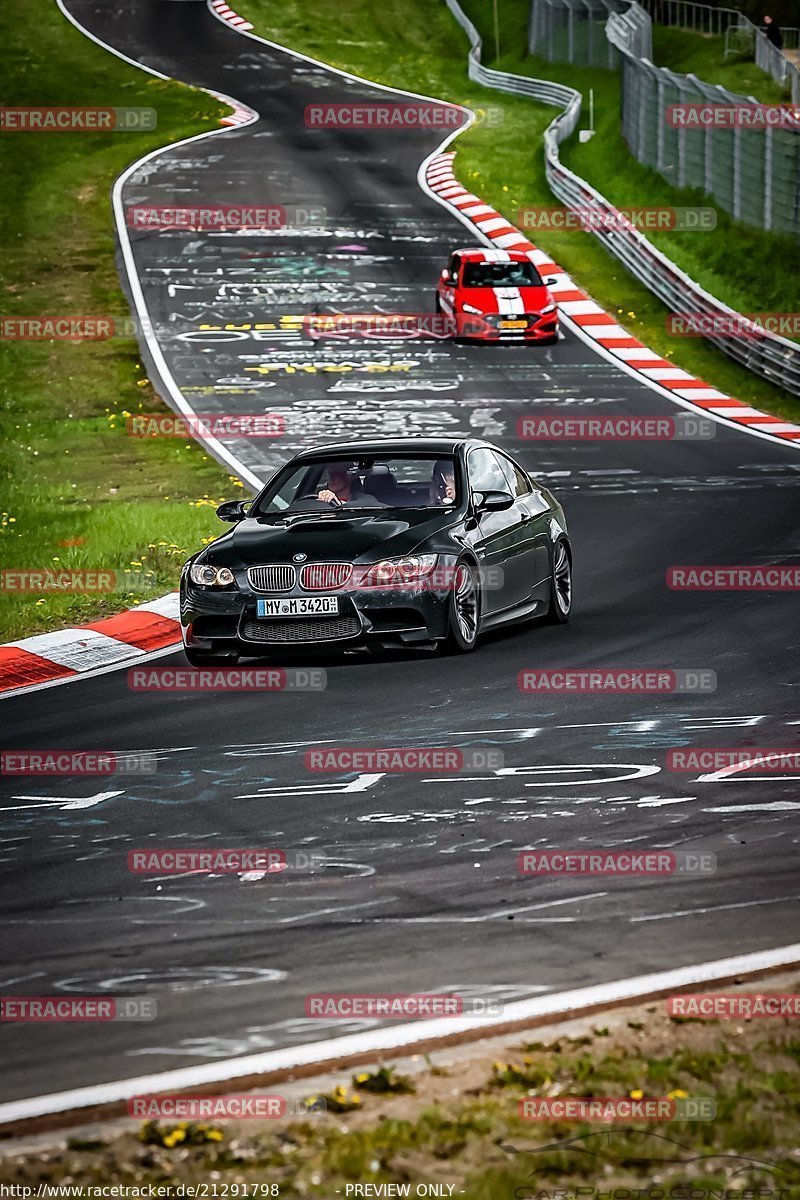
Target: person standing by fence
<point x="773" y="31"/>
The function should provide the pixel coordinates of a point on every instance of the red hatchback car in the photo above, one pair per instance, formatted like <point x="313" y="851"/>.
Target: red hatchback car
<point x="497" y="295"/>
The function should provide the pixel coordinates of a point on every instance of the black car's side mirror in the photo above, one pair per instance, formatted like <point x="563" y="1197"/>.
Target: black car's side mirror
<point x="492" y="501"/>
<point x="232" y="510"/>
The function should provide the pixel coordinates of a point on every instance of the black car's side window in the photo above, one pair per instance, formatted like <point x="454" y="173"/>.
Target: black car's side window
<point x="484" y="472"/>
<point x="518" y="482"/>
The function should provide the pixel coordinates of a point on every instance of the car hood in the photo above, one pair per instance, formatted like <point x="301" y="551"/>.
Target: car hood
<point x="507" y="301"/>
<point x="326" y="538"/>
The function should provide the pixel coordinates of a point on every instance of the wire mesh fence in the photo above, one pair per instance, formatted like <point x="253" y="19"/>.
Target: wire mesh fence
<point x="699" y="18"/>
<point x="741" y="36"/>
<point x="700" y="135"/>
<point x="573" y="31"/>
<point x="748" y="159"/>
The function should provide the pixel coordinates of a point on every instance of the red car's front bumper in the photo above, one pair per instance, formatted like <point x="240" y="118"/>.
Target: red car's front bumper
<point x="496" y="328"/>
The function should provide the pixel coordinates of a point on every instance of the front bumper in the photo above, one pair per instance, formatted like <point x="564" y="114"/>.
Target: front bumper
<point x="489" y="328"/>
<point x="225" y="619"/>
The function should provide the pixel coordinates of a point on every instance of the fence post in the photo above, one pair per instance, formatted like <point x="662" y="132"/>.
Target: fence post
<point x="642" y="112"/>
<point x="737" y="172"/>
<point x="768" y="178"/>
<point x="660" y="126"/>
<point x="708" y="162"/>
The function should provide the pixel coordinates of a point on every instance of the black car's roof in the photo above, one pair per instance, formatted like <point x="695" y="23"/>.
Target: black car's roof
<point x="391" y="446"/>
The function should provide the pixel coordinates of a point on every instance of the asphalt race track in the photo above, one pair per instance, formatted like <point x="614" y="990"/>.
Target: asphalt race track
<point x="420" y="890"/>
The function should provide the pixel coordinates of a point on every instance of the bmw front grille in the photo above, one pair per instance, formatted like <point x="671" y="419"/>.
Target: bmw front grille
<point x="314" y="577"/>
<point x="323" y="577"/>
<point x="278" y="578"/>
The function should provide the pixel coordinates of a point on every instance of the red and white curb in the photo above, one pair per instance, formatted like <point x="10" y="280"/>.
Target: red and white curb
<point x="68" y="653"/>
<point x="593" y="323"/>
<point x="241" y="115"/>
<point x="222" y="9"/>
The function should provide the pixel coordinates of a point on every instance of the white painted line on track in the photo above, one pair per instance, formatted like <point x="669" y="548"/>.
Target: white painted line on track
<point x="693" y="912"/>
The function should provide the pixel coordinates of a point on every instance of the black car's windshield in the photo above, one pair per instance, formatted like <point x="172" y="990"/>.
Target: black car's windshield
<point x="363" y="483"/>
<point x="502" y="274"/>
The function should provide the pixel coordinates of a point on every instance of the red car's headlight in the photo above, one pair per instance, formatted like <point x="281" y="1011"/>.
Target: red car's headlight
<point x="395" y="572"/>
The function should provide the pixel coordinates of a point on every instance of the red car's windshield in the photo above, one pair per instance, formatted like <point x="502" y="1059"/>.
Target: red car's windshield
<point x="503" y="274"/>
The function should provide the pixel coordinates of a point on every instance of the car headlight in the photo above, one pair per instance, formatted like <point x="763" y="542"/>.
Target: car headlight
<point x="548" y="308"/>
<point x="208" y="576"/>
<point x="396" y="572"/>
<point x="470" y="308"/>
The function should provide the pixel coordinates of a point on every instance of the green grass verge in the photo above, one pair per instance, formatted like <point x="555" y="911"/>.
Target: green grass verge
<point x="78" y="492"/>
<point x="703" y="55"/>
<point x="418" y="46"/>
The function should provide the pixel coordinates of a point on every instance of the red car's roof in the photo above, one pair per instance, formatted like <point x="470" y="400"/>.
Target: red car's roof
<point x="478" y="254"/>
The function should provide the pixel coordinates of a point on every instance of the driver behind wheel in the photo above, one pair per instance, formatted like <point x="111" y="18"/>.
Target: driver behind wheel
<point x="343" y="486"/>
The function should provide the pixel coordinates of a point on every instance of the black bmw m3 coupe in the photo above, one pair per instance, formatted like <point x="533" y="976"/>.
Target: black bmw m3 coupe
<point x="419" y="542"/>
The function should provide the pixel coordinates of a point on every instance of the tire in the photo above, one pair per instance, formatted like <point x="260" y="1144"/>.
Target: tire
<point x="202" y="658"/>
<point x="464" y="611"/>
<point x="560" y="585"/>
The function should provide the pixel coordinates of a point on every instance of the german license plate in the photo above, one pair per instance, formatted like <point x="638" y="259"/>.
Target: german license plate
<point x="513" y="324"/>
<point x="301" y="606"/>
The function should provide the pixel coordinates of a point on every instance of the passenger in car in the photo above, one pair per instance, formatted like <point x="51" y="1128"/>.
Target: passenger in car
<point x="443" y="482"/>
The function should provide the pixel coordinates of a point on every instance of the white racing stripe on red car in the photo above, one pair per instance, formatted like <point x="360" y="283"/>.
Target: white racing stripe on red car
<point x="509" y="301"/>
<point x="592" y="322"/>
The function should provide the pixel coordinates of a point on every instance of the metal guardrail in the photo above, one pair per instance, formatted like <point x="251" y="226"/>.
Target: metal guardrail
<point x="539" y="89"/>
<point x="774" y="358"/>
